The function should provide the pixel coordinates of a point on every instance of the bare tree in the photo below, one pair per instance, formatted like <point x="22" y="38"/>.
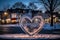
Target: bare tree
<point x="32" y="6"/>
<point x="19" y="5"/>
<point x="50" y="6"/>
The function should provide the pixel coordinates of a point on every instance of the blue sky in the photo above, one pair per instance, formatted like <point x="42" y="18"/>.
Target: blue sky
<point x="4" y="3"/>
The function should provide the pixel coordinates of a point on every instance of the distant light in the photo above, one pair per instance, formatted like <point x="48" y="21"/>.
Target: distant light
<point x="54" y="15"/>
<point x="5" y="13"/>
<point x="36" y="19"/>
<point x="3" y="21"/>
<point x="8" y="20"/>
<point x="47" y="20"/>
<point x="13" y="21"/>
<point x="14" y="15"/>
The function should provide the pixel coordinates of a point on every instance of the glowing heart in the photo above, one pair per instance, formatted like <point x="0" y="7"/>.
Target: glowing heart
<point x="32" y="26"/>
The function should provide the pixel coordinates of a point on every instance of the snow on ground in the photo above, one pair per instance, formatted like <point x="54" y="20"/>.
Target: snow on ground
<point x="55" y="26"/>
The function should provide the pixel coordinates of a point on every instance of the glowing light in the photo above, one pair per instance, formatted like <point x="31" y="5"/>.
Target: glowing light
<point x="8" y="20"/>
<point x="54" y="15"/>
<point x="36" y="19"/>
<point x="47" y="20"/>
<point x="14" y="15"/>
<point x="3" y="21"/>
<point x="56" y="19"/>
<point x="5" y="13"/>
<point x="13" y="21"/>
<point x="25" y="36"/>
<point x="25" y="29"/>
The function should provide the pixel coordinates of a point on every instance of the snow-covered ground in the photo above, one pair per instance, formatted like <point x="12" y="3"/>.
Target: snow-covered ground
<point x="46" y="26"/>
<point x="55" y="26"/>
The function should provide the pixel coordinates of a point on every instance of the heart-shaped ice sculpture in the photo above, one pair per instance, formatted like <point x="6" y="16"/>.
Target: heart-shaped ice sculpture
<point x="32" y="26"/>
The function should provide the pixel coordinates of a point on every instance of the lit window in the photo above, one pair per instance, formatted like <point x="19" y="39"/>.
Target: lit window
<point x="54" y="15"/>
<point x="13" y="21"/>
<point x="3" y="21"/>
<point x="8" y="20"/>
<point x="14" y="15"/>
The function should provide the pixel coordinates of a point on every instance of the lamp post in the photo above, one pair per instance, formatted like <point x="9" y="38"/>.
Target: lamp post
<point x="5" y="16"/>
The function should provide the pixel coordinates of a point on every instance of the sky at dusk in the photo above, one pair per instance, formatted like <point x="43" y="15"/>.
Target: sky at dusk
<point x="4" y="3"/>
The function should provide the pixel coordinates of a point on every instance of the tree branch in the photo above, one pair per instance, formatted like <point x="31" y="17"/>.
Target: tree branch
<point x="48" y="1"/>
<point x="45" y="3"/>
<point x="55" y="4"/>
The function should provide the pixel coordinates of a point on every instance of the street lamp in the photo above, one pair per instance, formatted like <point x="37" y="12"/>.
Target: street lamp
<point x="5" y="13"/>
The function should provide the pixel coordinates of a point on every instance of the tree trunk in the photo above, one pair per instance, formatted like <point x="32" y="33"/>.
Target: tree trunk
<point x="51" y="18"/>
<point x="51" y="12"/>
